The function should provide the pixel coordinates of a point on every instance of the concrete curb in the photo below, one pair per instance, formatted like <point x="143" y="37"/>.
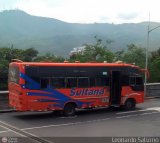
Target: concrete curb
<point x="7" y="110"/>
<point x="151" y="97"/>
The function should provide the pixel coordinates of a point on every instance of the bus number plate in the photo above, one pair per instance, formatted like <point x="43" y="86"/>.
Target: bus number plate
<point x="104" y="99"/>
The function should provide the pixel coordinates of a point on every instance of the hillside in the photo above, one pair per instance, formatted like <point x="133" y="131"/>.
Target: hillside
<point x="52" y="35"/>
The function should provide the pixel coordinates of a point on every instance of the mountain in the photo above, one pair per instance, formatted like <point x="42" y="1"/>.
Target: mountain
<point x="22" y="30"/>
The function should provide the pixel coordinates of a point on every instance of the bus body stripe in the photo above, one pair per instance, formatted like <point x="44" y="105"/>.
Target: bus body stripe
<point x="57" y="96"/>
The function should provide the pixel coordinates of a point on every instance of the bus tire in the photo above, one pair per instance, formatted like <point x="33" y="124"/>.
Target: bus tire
<point x="69" y="109"/>
<point x="130" y="104"/>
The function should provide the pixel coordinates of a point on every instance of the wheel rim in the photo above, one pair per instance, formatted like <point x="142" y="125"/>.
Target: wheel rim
<point x="129" y="104"/>
<point x="69" y="110"/>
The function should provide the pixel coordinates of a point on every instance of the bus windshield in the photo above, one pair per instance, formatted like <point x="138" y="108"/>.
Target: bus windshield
<point x="13" y="74"/>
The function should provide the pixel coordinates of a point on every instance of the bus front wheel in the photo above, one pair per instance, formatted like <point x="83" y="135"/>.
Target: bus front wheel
<point x="69" y="109"/>
<point x="130" y="104"/>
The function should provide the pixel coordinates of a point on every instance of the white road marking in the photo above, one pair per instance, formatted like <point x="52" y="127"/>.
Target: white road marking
<point x="134" y="115"/>
<point x="147" y="109"/>
<point x="15" y="128"/>
<point x="127" y="116"/>
<point x="67" y="124"/>
<point x="7" y="130"/>
<point x="4" y="128"/>
<point x="154" y="108"/>
<point x="149" y="113"/>
<point x="10" y="129"/>
<point x="126" y="112"/>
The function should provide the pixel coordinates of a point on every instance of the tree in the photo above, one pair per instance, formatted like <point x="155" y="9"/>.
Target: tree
<point x="154" y="66"/>
<point x="133" y="54"/>
<point x="119" y="55"/>
<point x="48" y="57"/>
<point x="94" y="52"/>
<point x="29" y="54"/>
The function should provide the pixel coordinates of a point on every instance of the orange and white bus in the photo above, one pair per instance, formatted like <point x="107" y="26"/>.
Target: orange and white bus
<point x="44" y="86"/>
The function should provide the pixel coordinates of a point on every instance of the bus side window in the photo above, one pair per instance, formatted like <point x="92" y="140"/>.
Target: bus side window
<point x="83" y="82"/>
<point x="71" y="82"/>
<point x="57" y="82"/>
<point x="44" y="83"/>
<point x="139" y="81"/>
<point x="102" y="81"/>
<point x="135" y="81"/>
<point x="107" y="81"/>
<point x="92" y="82"/>
<point x="98" y="81"/>
<point x="132" y="81"/>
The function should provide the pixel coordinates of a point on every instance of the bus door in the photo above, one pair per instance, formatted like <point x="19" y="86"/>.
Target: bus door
<point x="115" y="88"/>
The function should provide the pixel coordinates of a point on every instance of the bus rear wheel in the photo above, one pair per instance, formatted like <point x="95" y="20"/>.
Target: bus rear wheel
<point x="130" y="104"/>
<point x="69" y="109"/>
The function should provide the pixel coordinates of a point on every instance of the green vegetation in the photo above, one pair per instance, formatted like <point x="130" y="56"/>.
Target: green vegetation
<point x="133" y="54"/>
<point x="97" y="52"/>
<point x="154" y="66"/>
<point x="94" y="52"/>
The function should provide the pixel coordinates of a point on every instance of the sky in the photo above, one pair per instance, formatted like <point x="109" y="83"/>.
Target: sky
<point x="89" y="11"/>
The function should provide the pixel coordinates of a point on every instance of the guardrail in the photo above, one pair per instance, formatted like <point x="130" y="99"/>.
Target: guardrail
<point x="153" y="90"/>
<point x="4" y="92"/>
<point x="4" y="105"/>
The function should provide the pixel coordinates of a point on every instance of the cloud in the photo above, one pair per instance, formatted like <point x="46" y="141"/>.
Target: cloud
<point x="128" y="16"/>
<point x="88" y="11"/>
<point x="8" y="4"/>
<point x="104" y="19"/>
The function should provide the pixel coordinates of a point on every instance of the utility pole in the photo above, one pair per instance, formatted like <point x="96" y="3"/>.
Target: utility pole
<point x="147" y="50"/>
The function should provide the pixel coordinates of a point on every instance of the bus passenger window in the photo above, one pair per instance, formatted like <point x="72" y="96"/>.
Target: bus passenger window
<point x="92" y="82"/>
<point x="58" y="82"/>
<point x="102" y="81"/>
<point x="132" y="81"/>
<point x="83" y="82"/>
<point x="98" y="81"/>
<point x="44" y="83"/>
<point x="71" y="82"/>
<point x="139" y="81"/>
<point x="106" y="81"/>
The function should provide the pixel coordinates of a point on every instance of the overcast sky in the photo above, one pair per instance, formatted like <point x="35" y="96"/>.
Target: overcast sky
<point x="89" y="11"/>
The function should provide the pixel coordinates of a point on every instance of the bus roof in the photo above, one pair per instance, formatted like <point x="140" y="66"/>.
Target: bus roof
<point x="67" y="64"/>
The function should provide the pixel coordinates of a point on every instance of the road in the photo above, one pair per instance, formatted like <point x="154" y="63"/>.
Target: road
<point x="144" y="121"/>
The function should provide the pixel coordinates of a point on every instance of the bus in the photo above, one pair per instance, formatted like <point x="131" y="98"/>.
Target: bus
<point x="65" y="87"/>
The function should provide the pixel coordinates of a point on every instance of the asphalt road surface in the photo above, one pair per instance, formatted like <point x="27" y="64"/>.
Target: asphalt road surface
<point x="144" y="121"/>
